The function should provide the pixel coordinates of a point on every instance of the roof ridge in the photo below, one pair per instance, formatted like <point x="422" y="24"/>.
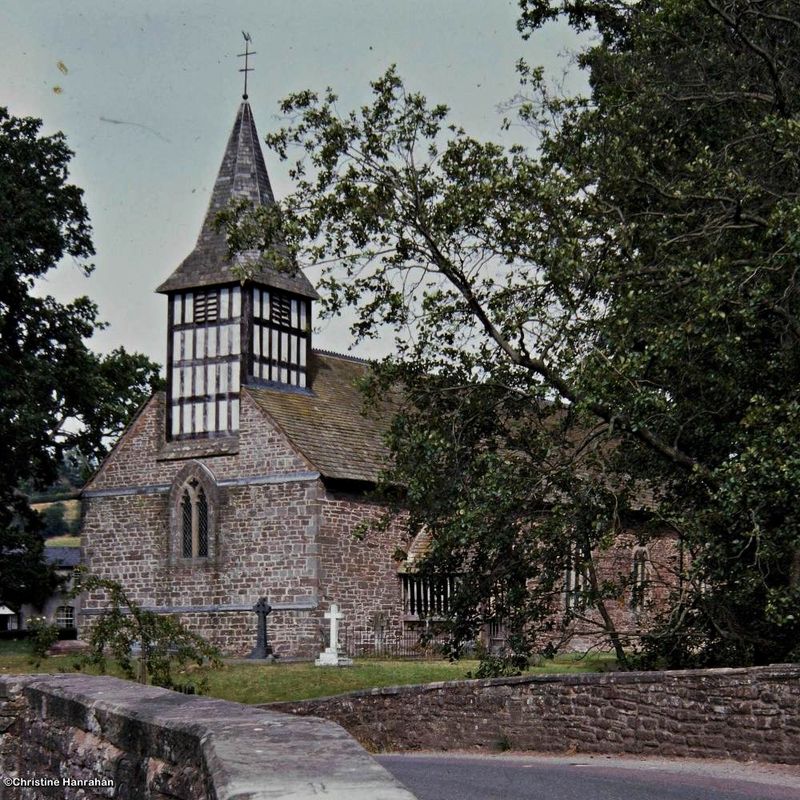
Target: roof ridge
<point x="345" y="356"/>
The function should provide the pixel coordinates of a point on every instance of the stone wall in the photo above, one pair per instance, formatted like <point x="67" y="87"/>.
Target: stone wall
<point x="744" y="714"/>
<point x="91" y="738"/>
<point x="615" y="565"/>
<point x="263" y="541"/>
<point x="360" y="573"/>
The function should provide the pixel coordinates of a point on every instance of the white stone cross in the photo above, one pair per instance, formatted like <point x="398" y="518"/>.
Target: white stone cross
<point x="330" y="657"/>
<point x="334" y="615"/>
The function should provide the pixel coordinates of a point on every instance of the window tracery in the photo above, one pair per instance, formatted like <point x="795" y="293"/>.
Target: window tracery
<point x="195" y="499"/>
<point x="639" y="579"/>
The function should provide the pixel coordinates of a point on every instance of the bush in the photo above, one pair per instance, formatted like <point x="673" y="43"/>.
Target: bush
<point x="145" y="645"/>
<point x="43" y="636"/>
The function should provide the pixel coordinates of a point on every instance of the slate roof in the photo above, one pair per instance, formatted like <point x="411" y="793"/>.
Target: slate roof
<point x="329" y="426"/>
<point x="242" y="174"/>
<point x="63" y="556"/>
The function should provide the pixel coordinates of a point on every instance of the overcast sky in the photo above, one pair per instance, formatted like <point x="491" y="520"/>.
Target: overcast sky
<point x="147" y="92"/>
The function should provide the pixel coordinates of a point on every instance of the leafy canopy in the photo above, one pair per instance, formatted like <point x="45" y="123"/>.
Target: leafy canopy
<point x="55" y="393"/>
<point x="596" y="335"/>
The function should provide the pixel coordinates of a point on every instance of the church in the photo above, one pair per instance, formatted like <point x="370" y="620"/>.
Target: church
<point x="249" y="476"/>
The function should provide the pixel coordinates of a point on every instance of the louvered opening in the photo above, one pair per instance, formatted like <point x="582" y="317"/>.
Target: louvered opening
<point x="281" y="309"/>
<point x="206" y="306"/>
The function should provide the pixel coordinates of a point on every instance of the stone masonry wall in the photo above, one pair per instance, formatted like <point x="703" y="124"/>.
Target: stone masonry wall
<point x="615" y="564"/>
<point x="359" y="573"/>
<point x="744" y="714"/>
<point x="265" y="542"/>
<point x="79" y="737"/>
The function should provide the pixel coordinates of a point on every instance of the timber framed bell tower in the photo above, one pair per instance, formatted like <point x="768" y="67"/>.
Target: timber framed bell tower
<point x="223" y="332"/>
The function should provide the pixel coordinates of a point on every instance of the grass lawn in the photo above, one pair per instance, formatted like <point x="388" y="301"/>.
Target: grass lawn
<point x="264" y="683"/>
<point x="63" y="541"/>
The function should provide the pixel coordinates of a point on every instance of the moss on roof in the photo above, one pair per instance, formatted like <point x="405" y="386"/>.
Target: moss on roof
<point x="329" y="425"/>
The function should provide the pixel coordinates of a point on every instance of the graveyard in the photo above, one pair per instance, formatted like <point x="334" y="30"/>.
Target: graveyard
<point x="253" y="682"/>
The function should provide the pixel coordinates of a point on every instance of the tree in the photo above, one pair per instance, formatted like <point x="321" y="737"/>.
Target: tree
<point x="163" y="642"/>
<point x="54" y="522"/>
<point x="599" y="330"/>
<point x="54" y="392"/>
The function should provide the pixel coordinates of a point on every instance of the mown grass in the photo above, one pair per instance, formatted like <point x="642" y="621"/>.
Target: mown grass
<point x="15" y="659"/>
<point x="266" y="683"/>
<point x="63" y="541"/>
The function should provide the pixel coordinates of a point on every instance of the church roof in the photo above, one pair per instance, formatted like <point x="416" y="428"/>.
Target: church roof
<point x="243" y="174"/>
<point x="330" y="427"/>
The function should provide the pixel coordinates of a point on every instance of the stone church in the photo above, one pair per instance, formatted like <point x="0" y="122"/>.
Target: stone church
<point x="249" y="475"/>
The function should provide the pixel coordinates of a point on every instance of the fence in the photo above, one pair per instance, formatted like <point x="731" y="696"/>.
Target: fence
<point x="360" y="643"/>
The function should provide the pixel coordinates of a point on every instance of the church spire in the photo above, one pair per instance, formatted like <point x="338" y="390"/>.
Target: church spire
<point x="242" y="174"/>
<point x="224" y="332"/>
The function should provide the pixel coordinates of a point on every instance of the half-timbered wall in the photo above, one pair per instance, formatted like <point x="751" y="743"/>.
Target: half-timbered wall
<point x="280" y="342"/>
<point x="204" y="361"/>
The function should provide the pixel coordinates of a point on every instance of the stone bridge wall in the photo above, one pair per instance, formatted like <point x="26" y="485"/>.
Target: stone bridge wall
<point x="745" y="714"/>
<point x="71" y="737"/>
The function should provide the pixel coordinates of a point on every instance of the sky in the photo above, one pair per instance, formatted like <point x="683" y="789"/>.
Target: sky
<point x="147" y="91"/>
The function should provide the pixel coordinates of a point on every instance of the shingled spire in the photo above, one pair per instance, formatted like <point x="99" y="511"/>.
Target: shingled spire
<point x="243" y="174"/>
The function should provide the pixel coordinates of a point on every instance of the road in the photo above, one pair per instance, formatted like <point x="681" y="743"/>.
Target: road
<point x="463" y="777"/>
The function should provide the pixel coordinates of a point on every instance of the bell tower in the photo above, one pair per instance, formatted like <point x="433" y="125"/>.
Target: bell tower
<point x="224" y="332"/>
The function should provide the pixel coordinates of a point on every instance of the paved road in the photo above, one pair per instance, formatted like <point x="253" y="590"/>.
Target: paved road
<point x="461" y="777"/>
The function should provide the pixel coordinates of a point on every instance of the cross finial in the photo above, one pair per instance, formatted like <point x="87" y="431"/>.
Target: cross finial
<point x="246" y="55"/>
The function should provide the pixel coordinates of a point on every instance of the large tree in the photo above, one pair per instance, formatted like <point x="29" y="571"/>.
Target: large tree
<point x="601" y="332"/>
<point x="55" y="393"/>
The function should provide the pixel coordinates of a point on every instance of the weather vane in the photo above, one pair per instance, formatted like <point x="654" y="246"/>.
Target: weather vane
<point x="246" y="55"/>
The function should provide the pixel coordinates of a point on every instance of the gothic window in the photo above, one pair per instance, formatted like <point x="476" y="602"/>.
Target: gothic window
<point x="576" y="580"/>
<point x="280" y="342"/>
<point x="639" y="579"/>
<point x="194" y="521"/>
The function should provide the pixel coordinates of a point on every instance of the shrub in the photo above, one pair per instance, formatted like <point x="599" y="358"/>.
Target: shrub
<point x="43" y="636"/>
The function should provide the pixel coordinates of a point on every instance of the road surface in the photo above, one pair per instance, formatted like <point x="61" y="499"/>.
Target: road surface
<point x="466" y="777"/>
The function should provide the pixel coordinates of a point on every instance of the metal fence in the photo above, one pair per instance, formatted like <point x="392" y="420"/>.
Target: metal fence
<point x="406" y="643"/>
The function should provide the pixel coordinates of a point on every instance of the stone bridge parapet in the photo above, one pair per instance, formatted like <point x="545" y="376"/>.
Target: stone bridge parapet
<point x="77" y="736"/>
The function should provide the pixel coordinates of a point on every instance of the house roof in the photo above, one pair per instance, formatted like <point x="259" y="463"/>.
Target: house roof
<point x="242" y="175"/>
<point x="329" y="425"/>
<point x="63" y="556"/>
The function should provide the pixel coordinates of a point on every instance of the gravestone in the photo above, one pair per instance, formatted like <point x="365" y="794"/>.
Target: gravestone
<point x="330" y="657"/>
<point x="262" y="649"/>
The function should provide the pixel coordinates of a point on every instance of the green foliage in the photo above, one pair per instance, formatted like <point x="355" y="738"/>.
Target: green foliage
<point x="499" y="666"/>
<point x="55" y="394"/>
<point x="54" y="522"/>
<point x="24" y="577"/>
<point x="45" y="635"/>
<point x="162" y="641"/>
<point x="593" y="332"/>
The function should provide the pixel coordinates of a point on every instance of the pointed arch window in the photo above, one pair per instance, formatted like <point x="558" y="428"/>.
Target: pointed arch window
<point x="195" y="503"/>
<point x="639" y="579"/>
<point x="194" y="520"/>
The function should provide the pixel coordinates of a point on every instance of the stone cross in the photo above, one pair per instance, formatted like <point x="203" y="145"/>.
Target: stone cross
<point x="262" y="648"/>
<point x="330" y="657"/>
<point x="334" y="615"/>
